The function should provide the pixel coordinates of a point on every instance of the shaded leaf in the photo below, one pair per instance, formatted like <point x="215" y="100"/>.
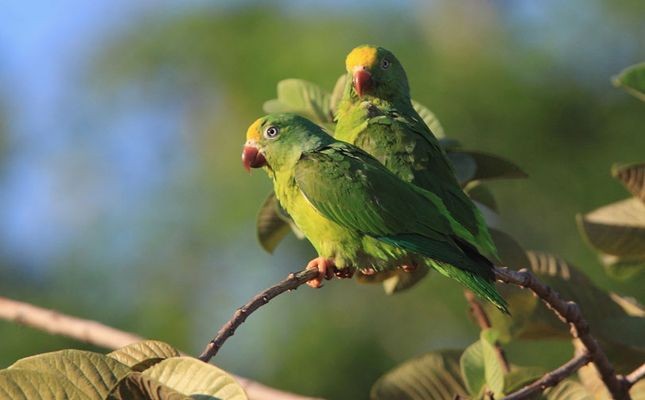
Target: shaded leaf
<point x="632" y="176"/>
<point x="464" y="165"/>
<point x="493" y="369"/>
<point x="429" y="118"/>
<point x="20" y="384"/>
<point x="402" y="280"/>
<point x="301" y="97"/>
<point x="568" y="390"/>
<point x="449" y="144"/>
<point x="510" y="252"/>
<point x="632" y="79"/>
<point x="337" y="93"/>
<point x="520" y="377"/>
<point x="490" y="166"/>
<point x="432" y="376"/>
<point x="141" y="355"/>
<point x="193" y="377"/>
<point x="271" y="226"/>
<point x="617" y="229"/>
<point x="137" y="386"/>
<point x="473" y="370"/>
<point x="481" y="194"/>
<point x="622" y="268"/>
<point x="92" y="374"/>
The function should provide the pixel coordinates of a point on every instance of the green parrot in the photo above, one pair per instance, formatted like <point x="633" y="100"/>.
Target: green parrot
<point x="356" y="213"/>
<point x="376" y="114"/>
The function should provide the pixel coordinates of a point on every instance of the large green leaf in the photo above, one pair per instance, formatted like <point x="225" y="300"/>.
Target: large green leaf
<point x="304" y="98"/>
<point x="432" y="376"/>
<point x="20" y="384"/>
<point x="141" y="355"/>
<point x="474" y="165"/>
<point x="617" y="229"/>
<point x="632" y="79"/>
<point x="137" y="386"/>
<point x="92" y="374"/>
<point x="473" y="369"/>
<point x="632" y="176"/>
<point x="273" y="224"/>
<point x="430" y="119"/>
<point x="193" y="377"/>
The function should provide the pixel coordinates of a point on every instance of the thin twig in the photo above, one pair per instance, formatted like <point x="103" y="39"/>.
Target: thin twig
<point x="551" y="379"/>
<point x="98" y="334"/>
<point x="635" y="376"/>
<point x="569" y="312"/>
<point x="483" y="321"/>
<point x="228" y="329"/>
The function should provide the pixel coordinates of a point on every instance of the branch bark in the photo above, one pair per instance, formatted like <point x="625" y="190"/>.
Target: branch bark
<point x="228" y="329"/>
<point x="551" y="379"/>
<point x="635" y="376"/>
<point x="481" y="317"/>
<point x="98" y="334"/>
<point x="569" y="313"/>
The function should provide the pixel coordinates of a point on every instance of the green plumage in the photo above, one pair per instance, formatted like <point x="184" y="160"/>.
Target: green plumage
<point x="357" y="213"/>
<point x="384" y="123"/>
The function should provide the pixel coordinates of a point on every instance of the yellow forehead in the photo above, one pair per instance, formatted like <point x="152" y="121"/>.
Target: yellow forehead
<point x="254" y="131"/>
<point x="361" y="56"/>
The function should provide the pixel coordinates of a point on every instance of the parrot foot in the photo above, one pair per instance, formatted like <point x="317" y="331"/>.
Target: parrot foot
<point x="326" y="270"/>
<point x="409" y="268"/>
<point x="368" y="271"/>
<point x="344" y="273"/>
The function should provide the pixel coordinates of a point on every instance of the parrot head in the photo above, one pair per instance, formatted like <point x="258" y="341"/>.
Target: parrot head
<point x="375" y="71"/>
<point x="276" y="141"/>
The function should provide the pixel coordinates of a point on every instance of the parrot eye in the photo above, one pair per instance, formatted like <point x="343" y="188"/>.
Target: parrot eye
<point x="271" y="132"/>
<point x="385" y="63"/>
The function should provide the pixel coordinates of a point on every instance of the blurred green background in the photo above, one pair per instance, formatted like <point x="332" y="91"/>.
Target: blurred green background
<point x="122" y="196"/>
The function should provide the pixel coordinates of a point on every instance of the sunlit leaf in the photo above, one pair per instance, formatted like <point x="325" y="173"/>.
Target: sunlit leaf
<point x="429" y="118"/>
<point x="629" y="304"/>
<point x="632" y="79"/>
<point x="432" y="376"/>
<point x="20" y="384"/>
<point x="91" y="373"/>
<point x="473" y="370"/>
<point x="617" y="229"/>
<point x="568" y="390"/>
<point x="337" y="93"/>
<point x="301" y="97"/>
<point x="193" y="377"/>
<point x="493" y="369"/>
<point x="141" y="355"/>
<point x="137" y="386"/>
<point x="633" y="177"/>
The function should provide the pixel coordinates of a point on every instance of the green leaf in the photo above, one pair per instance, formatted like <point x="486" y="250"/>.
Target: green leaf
<point x="193" y="377"/>
<point x="481" y="194"/>
<point x="473" y="166"/>
<point x="429" y="118"/>
<point x="617" y="229"/>
<point x="141" y="355"/>
<point x="622" y="268"/>
<point x="493" y="369"/>
<point x="464" y="165"/>
<point x="473" y="369"/>
<point x="629" y="304"/>
<point x="568" y="390"/>
<point x="92" y="374"/>
<point x="632" y="176"/>
<point x="302" y="97"/>
<point x="520" y="377"/>
<point x="510" y="252"/>
<point x="337" y="93"/>
<point x="137" y="386"/>
<point x="431" y="376"/>
<point x="19" y="384"/>
<point x="632" y="79"/>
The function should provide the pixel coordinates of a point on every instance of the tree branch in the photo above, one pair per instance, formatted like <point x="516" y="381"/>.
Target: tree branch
<point x="481" y="317"/>
<point x="551" y="379"/>
<point x="228" y="329"/>
<point x="635" y="376"/>
<point x="95" y="333"/>
<point x="569" y="312"/>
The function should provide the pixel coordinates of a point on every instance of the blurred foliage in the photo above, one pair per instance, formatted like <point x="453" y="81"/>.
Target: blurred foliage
<point x="148" y="370"/>
<point x="528" y="92"/>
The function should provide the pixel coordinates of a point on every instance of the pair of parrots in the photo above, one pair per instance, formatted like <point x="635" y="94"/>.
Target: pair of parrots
<point x="380" y="194"/>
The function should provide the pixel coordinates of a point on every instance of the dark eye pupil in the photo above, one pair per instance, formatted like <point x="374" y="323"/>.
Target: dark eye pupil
<point x="272" y="132"/>
<point x="385" y="63"/>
